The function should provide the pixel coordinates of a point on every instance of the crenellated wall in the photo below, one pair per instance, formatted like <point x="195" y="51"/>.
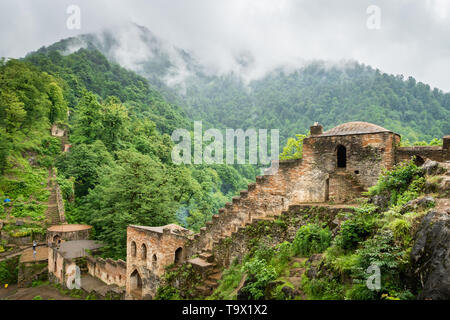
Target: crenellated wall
<point x="314" y="179"/>
<point x="60" y="269"/>
<point x="270" y="195"/>
<point x="108" y="270"/>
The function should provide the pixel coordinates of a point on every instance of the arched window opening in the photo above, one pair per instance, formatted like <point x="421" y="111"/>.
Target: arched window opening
<point x="418" y="161"/>
<point x="143" y="251"/>
<point x="136" y="284"/>
<point x="178" y="255"/>
<point x="341" y="156"/>
<point x="154" y="261"/>
<point x="133" y="249"/>
<point x="56" y="240"/>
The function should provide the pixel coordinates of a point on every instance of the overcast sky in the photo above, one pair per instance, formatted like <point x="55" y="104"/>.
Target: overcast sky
<point x="413" y="38"/>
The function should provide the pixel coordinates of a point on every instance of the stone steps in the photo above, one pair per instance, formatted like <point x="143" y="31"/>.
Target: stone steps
<point x="208" y="257"/>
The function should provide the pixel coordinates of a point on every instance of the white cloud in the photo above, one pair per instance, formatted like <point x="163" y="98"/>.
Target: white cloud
<point x="413" y="39"/>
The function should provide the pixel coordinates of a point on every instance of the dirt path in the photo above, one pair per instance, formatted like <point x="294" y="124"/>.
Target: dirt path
<point x="295" y="275"/>
<point x="46" y="292"/>
<point x="41" y="254"/>
<point x="241" y="284"/>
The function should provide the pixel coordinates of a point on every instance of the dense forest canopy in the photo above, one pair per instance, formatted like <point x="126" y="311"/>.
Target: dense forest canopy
<point x="329" y="95"/>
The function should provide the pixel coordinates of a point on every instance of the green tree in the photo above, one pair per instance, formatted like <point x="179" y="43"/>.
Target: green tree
<point x="84" y="163"/>
<point x="137" y="190"/>
<point x="293" y="148"/>
<point x="88" y="122"/>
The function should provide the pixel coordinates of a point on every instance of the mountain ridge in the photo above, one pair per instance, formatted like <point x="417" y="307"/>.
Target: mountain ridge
<point x="284" y="98"/>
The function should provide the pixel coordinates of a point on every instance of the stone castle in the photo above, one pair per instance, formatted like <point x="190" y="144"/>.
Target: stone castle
<point x="337" y="166"/>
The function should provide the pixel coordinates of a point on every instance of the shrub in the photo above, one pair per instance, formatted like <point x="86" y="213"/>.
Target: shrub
<point x="355" y="230"/>
<point x="167" y="293"/>
<point x="230" y="280"/>
<point x="284" y="252"/>
<point x="9" y="270"/>
<point x="402" y="230"/>
<point x="380" y="250"/>
<point x="345" y="264"/>
<point x="67" y="187"/>
<point x="322" y="288"/>
<point x="263" y="252"/>
<point x="259" y="275"/>
<point x="360" y="291"/>
<point x="415" y="188"/>
<point x="311" y="238"/>
<point x="396" y="181"/>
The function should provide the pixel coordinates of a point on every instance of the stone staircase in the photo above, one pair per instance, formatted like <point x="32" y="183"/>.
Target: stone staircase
<point x="52" y="208"/>
<point x="263" y="200"/>
<point x="55" y="206"/>
<point x="268" y="195"/>
<point x="206" y="264"/>
<point x="344" y="180"/>
<point x="266" y="199"/>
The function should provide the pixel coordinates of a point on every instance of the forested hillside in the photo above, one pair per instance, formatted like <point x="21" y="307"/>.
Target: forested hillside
<point x="330" y="95"/>
<point x="30" y="101"/>
<point x="118" y="171"/>
<point x="288" y="98"/>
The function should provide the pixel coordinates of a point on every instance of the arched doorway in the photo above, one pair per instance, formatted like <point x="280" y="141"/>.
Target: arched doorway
<point x="136" y="284"/>
<point x="178" y="255"/>
<point x="341" y="156"/>
<point x="56" y="240"/>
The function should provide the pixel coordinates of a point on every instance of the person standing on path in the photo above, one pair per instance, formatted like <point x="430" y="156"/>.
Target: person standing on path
<point x="34" y="249"/>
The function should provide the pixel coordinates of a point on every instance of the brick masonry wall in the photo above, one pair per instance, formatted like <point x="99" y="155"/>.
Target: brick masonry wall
<point x="366" y="154"/>
<point x="59" y="269"/>
<point x="69" y="236"/>
<point x="273" y="232"/>
<point x="406" y="153"/>
<point x="160" y="252"/>
<point x="108" y="270"/>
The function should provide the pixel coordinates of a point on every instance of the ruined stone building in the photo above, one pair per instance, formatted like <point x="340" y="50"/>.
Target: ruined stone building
<point x="337" y="165"/>
<point x="71" y="256"/>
